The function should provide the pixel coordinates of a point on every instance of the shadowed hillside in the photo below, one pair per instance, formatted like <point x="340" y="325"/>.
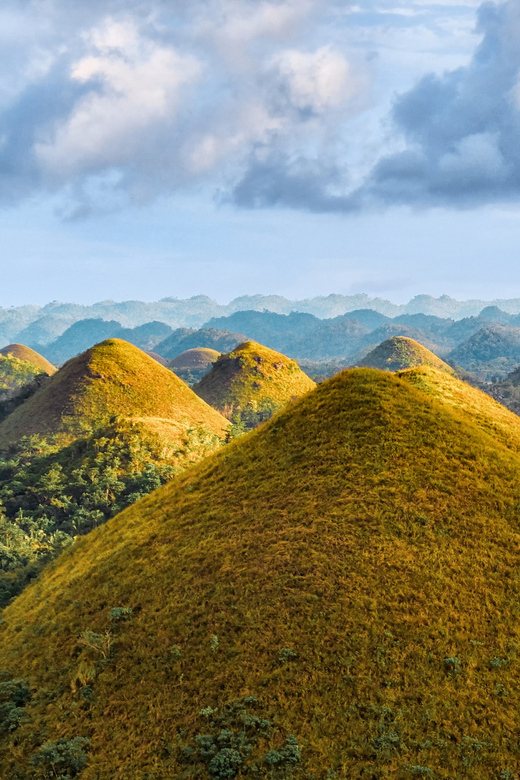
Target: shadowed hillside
<point x="401" y="352"/>
<point x="252" y="382"/>
<point x="330" y="596"/>
<point x="493" y="350"/>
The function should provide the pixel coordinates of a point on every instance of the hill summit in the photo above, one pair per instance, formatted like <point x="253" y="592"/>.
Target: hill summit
<point x="111" y="379"/>
<point x="28" y="355"/>
<point x="252" y="382"/>
<point x="193" y="364"/>
<point x="333" y="595"/>
<point x="401" y="352"/>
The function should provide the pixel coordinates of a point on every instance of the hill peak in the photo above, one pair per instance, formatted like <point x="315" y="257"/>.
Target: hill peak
<point x="253" y="380"/>
<point x="113" y="378"/>
<point x="28" y="355"/>
<point x="401" y="352"/>
<point x="331" y="595"/>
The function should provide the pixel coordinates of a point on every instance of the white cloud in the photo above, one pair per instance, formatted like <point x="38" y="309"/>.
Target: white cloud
<point x="316" y="81"/>
<point x="139" y="83"/>
<point x="239" y="22"/>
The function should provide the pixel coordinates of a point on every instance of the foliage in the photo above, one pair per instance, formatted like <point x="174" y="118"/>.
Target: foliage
<point x="50" y="494"/>
<point x="14" y="695"/>
<point x="62" y="759"/>
<point x="15" y="373"/>
<point x="236" y="743"/>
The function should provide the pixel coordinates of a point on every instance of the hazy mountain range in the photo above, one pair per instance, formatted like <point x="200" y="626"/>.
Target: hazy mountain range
<point x="43" y="324"/>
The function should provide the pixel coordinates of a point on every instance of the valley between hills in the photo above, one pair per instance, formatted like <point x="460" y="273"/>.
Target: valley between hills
<point x="265" y="544"/>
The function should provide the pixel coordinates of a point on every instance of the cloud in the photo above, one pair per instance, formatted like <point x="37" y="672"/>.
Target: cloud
<point x="266" y="102"/>
<point x="461" y="130"/>
<point x="138" y="84"/>
<point x="120" y="100"/>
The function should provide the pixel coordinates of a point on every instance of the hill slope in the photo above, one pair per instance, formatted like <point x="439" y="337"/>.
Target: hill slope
<point x="401" y="352"/>
<point x="113" y="378"/>
<point x="253" y="382"/>
<point x="333" y="595"/>
<point x="28" y="355"/>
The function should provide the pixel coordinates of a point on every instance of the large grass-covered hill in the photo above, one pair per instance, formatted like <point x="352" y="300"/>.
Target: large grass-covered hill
<point x="334" y="595"/>
<point x="28" y="355"/>
<point x="252" y="382"/>
<point x="193" y="364"/>
<point x="113" y="378"/>
<point x="109" y="427"/>
<point x="400" y="352"/>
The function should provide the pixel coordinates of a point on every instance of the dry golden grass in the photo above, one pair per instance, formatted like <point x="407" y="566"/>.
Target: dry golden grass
<point x="113" y="378"/>
<point x="401" y="352"/>
<point x="252" y="376"/>
<point x="373" y="529"/>
<point x="28" y="355"/>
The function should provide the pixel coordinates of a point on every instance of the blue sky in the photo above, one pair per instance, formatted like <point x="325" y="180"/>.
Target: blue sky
<point x="228" y="147"/>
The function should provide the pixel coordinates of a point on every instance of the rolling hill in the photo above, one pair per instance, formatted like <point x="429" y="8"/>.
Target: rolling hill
<point x="400" y="352"/>
<point x="113" y="378"/>
<point x="332" y="596"/>
<point x="252" y="382"/>
<point x="28" y="355"/>
<point x="193" y="364"/>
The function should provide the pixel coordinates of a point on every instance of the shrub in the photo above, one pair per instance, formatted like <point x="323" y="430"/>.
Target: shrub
<point x="225" y="764"/>
<point x="14" y="695"/>
<point x="120" y="613"/>
<point x="62" y="759"/>
<point x="286" y="654"/>
<point x="289" y="753"/>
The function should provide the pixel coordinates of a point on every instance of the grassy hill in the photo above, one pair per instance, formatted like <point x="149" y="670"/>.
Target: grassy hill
<point x="400" y="352"/>
<point x="113" y="378"/>
<point x="332" y="596"/>
<point x="193" y="364"/>
<point x="28" y="355"/>
<point x="252" y="382"/>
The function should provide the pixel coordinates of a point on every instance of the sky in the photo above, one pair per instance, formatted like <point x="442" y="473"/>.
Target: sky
<point x="231" y="147"/>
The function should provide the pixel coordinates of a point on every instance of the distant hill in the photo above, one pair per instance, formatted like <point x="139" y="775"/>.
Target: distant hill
<point x="21" y="373"/>
<point x="28" y="355"/>
<point x="207" y="338"/>
<point x="193" y="364"/>
<point x="113" y="378"/>
<point x="332" y="595"/>
<point x="399" y="353"/>
<point x="81" y="336"/>
<point x="16" y="323"/>
<point x="252" y="382"/>
<point x="44" y="331"/>
<point x="492" y="350"/>
<point x="278" y="331"/>
<point x="147" y="336"/>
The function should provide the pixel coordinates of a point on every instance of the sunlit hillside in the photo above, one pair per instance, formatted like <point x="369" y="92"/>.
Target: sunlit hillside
<point x="331" y="596"/>
<point x="253" y="382"/>
<point x="401" y="352"/>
